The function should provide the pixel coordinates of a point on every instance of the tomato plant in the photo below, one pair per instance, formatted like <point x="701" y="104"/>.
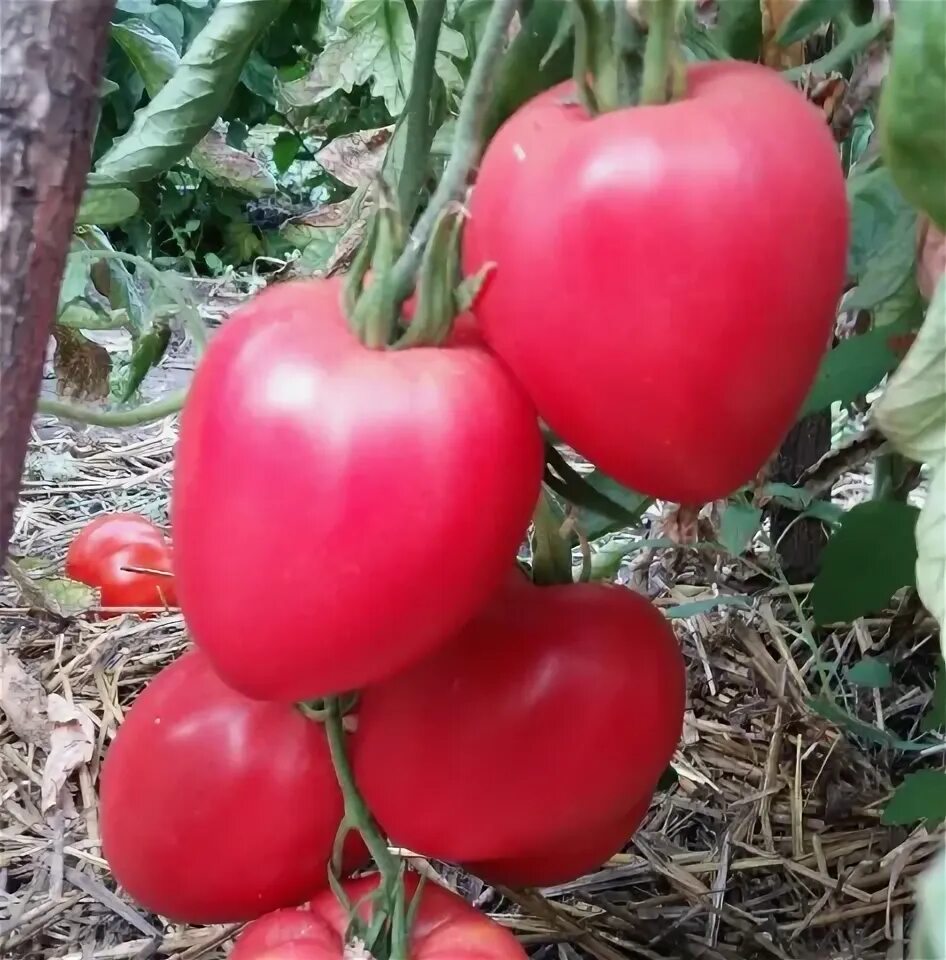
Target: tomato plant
<point x="445" y="928"/>
<point x="682" y="239"/>
<point x="214" y="807"/>
<point x="104" y="550"/>
<point x="338" y="478"/>
<point x="584" y="687"/>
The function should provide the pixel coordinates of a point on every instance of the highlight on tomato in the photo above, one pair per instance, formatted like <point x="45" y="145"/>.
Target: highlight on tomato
<point x="127" y="558"/>
<point x="445" y="927"/>
<point x="217" y="808"/>
<point x="584" y="685"/>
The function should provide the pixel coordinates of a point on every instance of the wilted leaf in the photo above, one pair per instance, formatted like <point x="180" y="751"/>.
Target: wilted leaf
<point x="781" y="56"/>
<point x="912" y="410"/>
<point x="928" y="935"/>
<point x="931" y="550"/>
<point x="232" y="168"/>
<point x="56" y="595"/>
<point x="319" y="233"/>
<point x="356" y="159"/>
<point x="71" y="744"/>
<point x="868" y="558"/>
<point x="48" y="465"/>
<point x="23" y="701"/>
<point x="913" y="134"/>
<point x="739" y="524"/>
<point x="930" y="256"/>
<point x="82" y="367"/>
<point x="106" y="206"/>
<point x="807" y="17"/>
<point x="921" y="796"/>
<point x="869" y="672"/>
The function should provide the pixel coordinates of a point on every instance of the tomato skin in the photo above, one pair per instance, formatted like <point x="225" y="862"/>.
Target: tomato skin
<point x="683" y="248"/>
<point x="214" y="807"/>
<point x="568" y="679"/>
<point x="446" y="928"/>
<point x="338" y="477"/>
<point x="566" y="859"/>
<point x="103" y="548"/>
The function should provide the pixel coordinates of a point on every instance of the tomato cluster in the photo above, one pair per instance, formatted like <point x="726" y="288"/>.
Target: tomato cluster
<point x="346" y="520"/>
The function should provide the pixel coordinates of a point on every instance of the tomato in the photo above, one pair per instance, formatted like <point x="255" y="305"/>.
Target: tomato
<point x="360" y="504"/>
<point x="650" y="262"/>
<point x="214" y="807"/>
<point x="554" y="708"/>
<point x="102" y="550"/>
<point x="445" y="928"/>
<point x="567" y="858"/>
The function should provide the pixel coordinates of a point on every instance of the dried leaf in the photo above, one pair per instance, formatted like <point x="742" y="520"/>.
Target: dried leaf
<point x="930" y="256"/>
<point x="681" y="525"/>
<point x="23" y="700"/>
<point x="230" y="167"/>
<point x="82" y="367"/>
<point x="774" y="14"/>
<point x="57" y="595"/>
<point x="356" y="159"/>
<point x="70" y="746"/>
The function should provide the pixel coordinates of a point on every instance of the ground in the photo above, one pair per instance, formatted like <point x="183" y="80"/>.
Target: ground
<point x="769" y="844"/>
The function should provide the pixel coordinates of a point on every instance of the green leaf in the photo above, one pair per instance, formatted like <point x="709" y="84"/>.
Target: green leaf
<point x="184" y="110"/>
<point x="669" y="778"/>
<point x="684" y="610"/>
<point x="870" y="556"/>
<point x="739" y="524"/>
<point x="921" y="796"/>
<point x="831" y="711"/>
<point x="151" y="53"/>
<point x="928" y="935"/>
<point x="851" y="369"/>
<point x="169" y="21"/>
<point x="285" y="150"/>
<point x="739" y="28"/>
<point x="106" y="206"/>
<point x="597" y="516"/>
<point x="880" y="218"/>
<point x="935" y="716"/>
<point x="912" y="411"/>
<point x="869" y="672"/>
<point x="607" y="559"/>
<point x="229" y="167"/>
<point x="912" y="124"/>
<point x="56" y="595"/>
<point x="147" y="353"/>
<point x="805" y="19"/>
<point x="931" y="550"/>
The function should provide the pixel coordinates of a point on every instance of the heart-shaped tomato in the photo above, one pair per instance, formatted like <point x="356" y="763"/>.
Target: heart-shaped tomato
<point x="568" y="857"/>
<point x="666" y="276"/>
<point x="554" y="708"/>
<point x="340" y="511"/>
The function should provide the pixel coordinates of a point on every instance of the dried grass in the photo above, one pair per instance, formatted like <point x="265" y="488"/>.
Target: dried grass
<point x="770" y="845"/>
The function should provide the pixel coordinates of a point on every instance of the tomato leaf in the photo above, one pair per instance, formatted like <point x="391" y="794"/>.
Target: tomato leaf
<point x="921" y="796"/>
<point x="851" y="369"/>
<point x="807" y="17"/>
<point x="152" y="54"/>
<point x="828" y="709"/>
<point x="684" y="610"/>
<point x="739" y="28"/>
<point x="869" y="672"/>
<point x="913" y="135"/>
<point x="285" y="150"/>
<point x="881" y="218"/>
<point x="106" y="206"/>
<point x="869" y="557"/>
<point x="912" y="411"/>
<point x="57" y="595"/>
<point x="740" y="523"/>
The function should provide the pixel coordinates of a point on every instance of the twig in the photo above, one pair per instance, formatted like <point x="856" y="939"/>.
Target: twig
<point x="467" y="142"/>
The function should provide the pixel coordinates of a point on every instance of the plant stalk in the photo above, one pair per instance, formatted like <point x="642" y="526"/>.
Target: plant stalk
<point x="148" y="413"/>
<point x="417" y="147"/>
<point x="658" y="53"/>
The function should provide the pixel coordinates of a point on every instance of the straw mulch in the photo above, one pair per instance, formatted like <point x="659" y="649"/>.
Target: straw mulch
<point x="769" y="845"/>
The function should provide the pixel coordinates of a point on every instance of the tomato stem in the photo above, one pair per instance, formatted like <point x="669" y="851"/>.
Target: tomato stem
<point x="148" y="413"/>
<point x="656" y="80"/>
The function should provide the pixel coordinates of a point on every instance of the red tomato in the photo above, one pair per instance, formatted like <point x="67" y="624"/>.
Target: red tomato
<point x="360" y="504"/>
<point x="214" y="807"/>
<point x="567" y="858"/>
<point x="556" y="707"/>
<point x="445" y="928"/>
<point x="651" y="261"/>
<point x="102" y="550"/>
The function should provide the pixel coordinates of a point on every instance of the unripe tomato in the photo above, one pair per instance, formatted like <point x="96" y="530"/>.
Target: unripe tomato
<point x="583" y="686"/>
<point x="361" y="504"/>
<point x="214" y="807"/>
<point x="103" y="550"/>
<point x="445" y="928"/>
<point x="651" y="261"/>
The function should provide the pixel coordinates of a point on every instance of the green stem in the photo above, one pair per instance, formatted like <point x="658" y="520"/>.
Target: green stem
<point x="148" y="413"/>
<point x="587" y="27"/>
<point x="658" y="54"/>
<point x="467" y="143"/>
<point x="417" y="147"/>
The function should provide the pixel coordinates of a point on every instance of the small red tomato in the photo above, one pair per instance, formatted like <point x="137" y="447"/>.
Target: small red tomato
<point x="214" y="807"/>
<point x="651" y="261"/>
<point x="104" y="550"/>
<point x="568" y="857"/>
<point x="584" y="687"/>
<point x="445" y="928"/>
